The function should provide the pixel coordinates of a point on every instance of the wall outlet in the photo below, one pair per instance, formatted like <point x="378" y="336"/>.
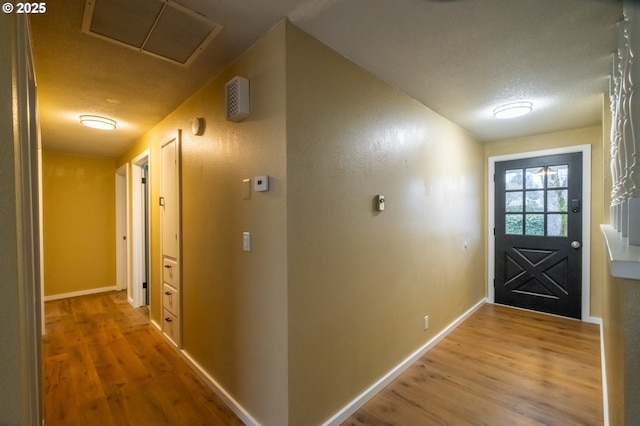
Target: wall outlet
<point x="426" y="322"/>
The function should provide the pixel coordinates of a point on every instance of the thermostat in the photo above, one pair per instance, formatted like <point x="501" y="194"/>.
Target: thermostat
<point x="261" y="183"/>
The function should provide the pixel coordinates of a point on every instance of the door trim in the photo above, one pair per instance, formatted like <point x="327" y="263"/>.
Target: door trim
<point x="137" y="241"/>
<point x="586" y="219"/>
<point x="122" y="255"/>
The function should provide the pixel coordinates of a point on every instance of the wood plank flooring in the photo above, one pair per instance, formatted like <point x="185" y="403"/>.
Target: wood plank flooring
<point x="502" y="366"/>
<point x="103" y="364"/>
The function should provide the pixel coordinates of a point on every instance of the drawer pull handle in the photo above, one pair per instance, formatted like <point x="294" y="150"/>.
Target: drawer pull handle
<point x="168" y="266"/>
<point x="168" y="320"/>
<point x="168" y="293"/>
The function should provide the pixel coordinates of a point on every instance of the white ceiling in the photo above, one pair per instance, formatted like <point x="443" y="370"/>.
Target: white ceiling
<point x="461" y="58"/>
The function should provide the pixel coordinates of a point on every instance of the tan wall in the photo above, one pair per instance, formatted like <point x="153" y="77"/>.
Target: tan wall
<point x="620" y="318"/>
<point x="17" y="326"/>
<point x="234" y="303"/>
<point x="585" y="136"/>
<point x="360" y="282"/>
<point x="613" y="328"/>
<point x="622" y="349"/>
<point x="79" y="222"/>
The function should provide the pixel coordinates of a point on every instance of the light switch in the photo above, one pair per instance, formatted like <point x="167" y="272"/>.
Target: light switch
<point x="246" y="189"/>
<point x="246" y="241"/>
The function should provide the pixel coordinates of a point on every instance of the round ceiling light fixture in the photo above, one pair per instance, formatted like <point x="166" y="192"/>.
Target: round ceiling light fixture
<point x="513" y="109"/>
<point x="98" y="122"/>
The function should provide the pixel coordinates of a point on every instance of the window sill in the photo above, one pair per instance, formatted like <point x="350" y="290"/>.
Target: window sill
<point x="624" y="259"/>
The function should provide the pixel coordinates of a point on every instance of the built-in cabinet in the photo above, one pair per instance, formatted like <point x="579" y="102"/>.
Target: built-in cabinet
<point x="170" y="240"/>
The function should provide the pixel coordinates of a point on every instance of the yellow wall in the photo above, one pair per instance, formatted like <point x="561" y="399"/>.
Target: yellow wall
<point x="585" y="136"/>
<point x="234" y="303"/>
<point x="621" y="325"/>
<point x="79" y="222"/>
<point x="332" y="295"/>
<point x="614" y="341"/>
<point x="360" y="282"/>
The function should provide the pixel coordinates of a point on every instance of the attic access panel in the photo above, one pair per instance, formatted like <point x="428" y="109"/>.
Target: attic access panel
<point x="161" y="28"/>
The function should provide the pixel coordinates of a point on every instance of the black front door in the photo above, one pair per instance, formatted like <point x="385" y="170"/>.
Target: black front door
<point x="538" y="233"/>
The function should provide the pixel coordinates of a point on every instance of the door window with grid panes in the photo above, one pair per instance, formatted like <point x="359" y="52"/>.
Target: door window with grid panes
<point x="536" y="201"/>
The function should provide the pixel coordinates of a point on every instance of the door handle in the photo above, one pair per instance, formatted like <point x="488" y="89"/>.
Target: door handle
<point x="575" y="244"/>
<point x="575" y="205"/>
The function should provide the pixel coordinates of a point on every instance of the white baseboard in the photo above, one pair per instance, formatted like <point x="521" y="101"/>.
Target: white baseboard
<point x="363" y="398"/>
<point x="229" y="401"/>
<point x="79" y="293"/>
<point x="156" y="325"/>
<point x="594" y="320"/>
<point x="243" y="414"/>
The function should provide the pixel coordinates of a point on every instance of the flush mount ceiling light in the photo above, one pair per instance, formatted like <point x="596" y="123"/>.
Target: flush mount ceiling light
<point x="98" y="122"/>
<point x="514" y="109"/>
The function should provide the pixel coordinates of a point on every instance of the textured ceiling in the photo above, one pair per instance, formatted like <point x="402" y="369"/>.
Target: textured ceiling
<point x="462" y="58"/>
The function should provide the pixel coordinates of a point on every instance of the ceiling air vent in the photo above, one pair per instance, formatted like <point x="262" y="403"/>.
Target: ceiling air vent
<point x="161" y="28"/>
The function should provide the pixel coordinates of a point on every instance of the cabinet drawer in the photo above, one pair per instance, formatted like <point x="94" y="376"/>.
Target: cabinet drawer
<point x="171" y="299"/>
<point x="171" y="327"/>
<point x="170" y="272"/>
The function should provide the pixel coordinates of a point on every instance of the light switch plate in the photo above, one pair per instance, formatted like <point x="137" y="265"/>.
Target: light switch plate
<point x="246" y="189"/>
<point x="246" y="241"/>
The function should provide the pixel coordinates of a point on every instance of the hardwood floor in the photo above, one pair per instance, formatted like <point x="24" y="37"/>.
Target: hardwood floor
<point x="502" y="366"/>
<point x="105" y="365"/>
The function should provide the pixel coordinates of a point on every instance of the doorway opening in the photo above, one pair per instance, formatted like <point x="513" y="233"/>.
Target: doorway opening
<point x="138" y="291"/>
<point x="524" y="276"/>
<point x="122" y="251"/>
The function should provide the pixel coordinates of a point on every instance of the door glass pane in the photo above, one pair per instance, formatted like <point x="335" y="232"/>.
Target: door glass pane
<point x="534" y="224"/>
<point x="535" y="178"/>
<point x="558" y="176"/>
<point x="513" y="179"/>
<point x="513" y="224"/>
<point x="513" y="202"/>
<point x="557" y="200"/>
<point x="557" y="225"/>
<point x="535" y="201"/>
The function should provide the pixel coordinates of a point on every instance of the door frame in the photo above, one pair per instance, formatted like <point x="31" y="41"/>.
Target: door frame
<point x="138" y="239"/>
<point x="122" y="227"/>
<point x="586" y="219"/>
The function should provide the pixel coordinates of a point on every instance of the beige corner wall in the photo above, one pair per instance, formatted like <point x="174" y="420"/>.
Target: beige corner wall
<point x="360" y="282"/>
<point x="234" y="303"/>
<point x="79" y="222"/>
<point x="333" y="294"/>
<point x="622" y="349"/>
<point x="584" y="136"/>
